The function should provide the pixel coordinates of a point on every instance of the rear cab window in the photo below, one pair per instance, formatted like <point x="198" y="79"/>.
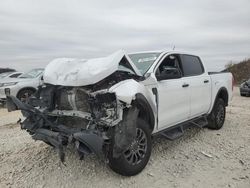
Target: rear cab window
<point x="191" y="65"/>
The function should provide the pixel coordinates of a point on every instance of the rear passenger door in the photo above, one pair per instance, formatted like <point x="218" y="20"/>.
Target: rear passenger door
<point x="199" y="83"/>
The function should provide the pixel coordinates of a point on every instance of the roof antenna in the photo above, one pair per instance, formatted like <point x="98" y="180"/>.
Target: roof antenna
<point x="174" y="48"/>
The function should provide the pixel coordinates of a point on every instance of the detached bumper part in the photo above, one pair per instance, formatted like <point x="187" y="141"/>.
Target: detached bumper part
<point x="58" y="136"/>
<point x="85" y="142"/>
<point x="54" y="139"/>
<point x="89" y="141"/>
<point x="15" y="104"/>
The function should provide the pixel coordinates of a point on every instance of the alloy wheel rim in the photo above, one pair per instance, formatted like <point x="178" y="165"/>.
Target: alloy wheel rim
<point x="137" y="149"/>
<point x="25" y="97"/>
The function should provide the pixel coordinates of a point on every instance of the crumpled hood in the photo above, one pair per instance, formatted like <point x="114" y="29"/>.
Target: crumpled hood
<point x="81" y="72"/>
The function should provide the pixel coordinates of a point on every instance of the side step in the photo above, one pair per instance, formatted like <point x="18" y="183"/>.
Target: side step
<point x="200" y="122"/>
<point x="174" y="133"/>
<point x="177" y="131"/>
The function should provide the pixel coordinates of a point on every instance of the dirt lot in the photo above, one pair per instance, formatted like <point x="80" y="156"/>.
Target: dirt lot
<point x="201" y="158"/>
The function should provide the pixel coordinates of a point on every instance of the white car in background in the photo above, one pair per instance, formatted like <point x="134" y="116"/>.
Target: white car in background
<point x="21" y="87"/>
<point x="7" y="75"/>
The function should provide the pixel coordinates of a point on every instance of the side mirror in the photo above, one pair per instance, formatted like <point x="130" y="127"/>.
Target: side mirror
<point x="169" y="73"/>
<point x="41" y="80"/>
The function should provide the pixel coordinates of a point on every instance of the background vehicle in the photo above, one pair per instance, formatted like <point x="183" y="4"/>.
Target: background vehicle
<point x="21" y="87"/>
<point x="245" y="88"/>
<point x="3" y="70"/>
<point x="7" y="75"/>
<point x="112" y="106"/>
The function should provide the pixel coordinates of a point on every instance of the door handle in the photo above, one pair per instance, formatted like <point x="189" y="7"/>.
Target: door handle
<point x="185" y="85"/>
<point x="206" y="81"/>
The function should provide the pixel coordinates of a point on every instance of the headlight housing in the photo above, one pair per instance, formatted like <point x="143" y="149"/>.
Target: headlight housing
<point x="8" y="84"/>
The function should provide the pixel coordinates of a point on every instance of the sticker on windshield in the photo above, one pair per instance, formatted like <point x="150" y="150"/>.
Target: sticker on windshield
<point x="146" y="59"/>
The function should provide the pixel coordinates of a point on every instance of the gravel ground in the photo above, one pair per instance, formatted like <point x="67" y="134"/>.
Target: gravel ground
<point x="201" y="158"/>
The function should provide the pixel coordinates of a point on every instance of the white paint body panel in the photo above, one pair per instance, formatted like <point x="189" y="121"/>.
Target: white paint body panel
<point x="174" y="105"/>
<point x="178" y="104"/>
<point x="127" y="89"/>
<point x="200" y="94"/>
<point x="217" y="82"/>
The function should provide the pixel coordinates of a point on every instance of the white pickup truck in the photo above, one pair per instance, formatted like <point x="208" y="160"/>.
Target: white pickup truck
<point x="112" y="106"/>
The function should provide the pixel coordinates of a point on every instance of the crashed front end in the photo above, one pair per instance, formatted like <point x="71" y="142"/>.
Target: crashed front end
<point x="91" y="120"/>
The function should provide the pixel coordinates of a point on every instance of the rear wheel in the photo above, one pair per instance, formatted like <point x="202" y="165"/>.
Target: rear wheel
<point x="217" y="117"/>
<point x="136" y="156"/>
<point x="24" y="94"/>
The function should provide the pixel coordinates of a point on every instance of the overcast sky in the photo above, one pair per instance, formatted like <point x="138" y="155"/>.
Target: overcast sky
<point x="34" y="32"/>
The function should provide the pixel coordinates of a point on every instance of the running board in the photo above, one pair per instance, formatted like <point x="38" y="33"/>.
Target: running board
<point x="177" y="131"/>
<point x="200" y="122"/>
<point x="174" y="133"/>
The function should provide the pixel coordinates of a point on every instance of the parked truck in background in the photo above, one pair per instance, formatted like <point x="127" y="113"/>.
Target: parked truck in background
<point x="113" y="106"/>
<point x="245" y="88"/>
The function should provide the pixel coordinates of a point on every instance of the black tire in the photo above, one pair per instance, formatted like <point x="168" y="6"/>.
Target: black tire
<point x="24" y="94"/>
<point x="242" y="95"/>
<point x="122" y="165"/>
<point x="3" y="104"/>
<point x="217" y="117"/>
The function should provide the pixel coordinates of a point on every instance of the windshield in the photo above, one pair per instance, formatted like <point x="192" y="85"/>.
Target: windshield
<point x="123" y="68"/>
<point x="143" y="61"/>
<point x="3" y="75"/>
<point x="32" y="74"/>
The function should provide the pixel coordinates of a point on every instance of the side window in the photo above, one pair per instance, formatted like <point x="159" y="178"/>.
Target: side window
<point x="191" y="65"/>
<point x="170" y="67"/>
<point x="15" y="75"/>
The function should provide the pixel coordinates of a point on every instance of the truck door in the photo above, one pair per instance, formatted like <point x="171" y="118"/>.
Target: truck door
<point x="173" y="93"/>
<point x="199" y="84"/>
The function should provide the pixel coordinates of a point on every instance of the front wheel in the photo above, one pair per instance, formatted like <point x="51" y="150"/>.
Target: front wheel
<point x="136" y="156"/>
<point x="217" y="117"/>
<point x="24" y="94"/>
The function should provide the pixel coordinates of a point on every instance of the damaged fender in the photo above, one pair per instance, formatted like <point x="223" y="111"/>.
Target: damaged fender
<point x="126" y="91"/>
<point x="129" y="91"/>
